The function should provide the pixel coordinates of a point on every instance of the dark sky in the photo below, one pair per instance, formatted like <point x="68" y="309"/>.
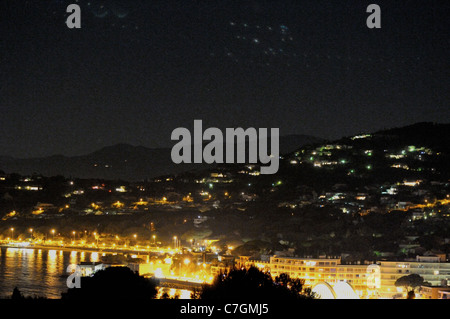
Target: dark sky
<point x="136" y="70"/>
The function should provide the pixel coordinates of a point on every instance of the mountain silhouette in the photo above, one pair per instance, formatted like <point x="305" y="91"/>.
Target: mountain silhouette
<point x="121" y="161"/>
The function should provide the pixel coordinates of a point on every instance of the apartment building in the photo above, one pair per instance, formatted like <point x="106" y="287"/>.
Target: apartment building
<point x="433" y="272"/>
<point x="329" y="270"/>
<point x="367" y="280"/>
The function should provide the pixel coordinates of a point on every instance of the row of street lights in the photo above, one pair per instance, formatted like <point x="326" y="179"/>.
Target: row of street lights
<point x="12" y="232"/>
<point x="74" y="233"/>
<point x="31" y="230"/>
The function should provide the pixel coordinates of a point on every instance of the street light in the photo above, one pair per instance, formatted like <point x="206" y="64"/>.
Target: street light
<point x="31" y="231"/>
<point x="175" y="244"/>
<point x="53" y="233"/>
<point x="154" y="240"/>
<point x="96" y="237"/>
<point x="12" y="232"/>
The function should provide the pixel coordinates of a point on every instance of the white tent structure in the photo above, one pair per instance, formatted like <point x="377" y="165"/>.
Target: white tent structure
<point x="339" y="290"/>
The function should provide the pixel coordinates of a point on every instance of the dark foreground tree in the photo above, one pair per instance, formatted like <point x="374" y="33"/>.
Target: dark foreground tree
<point x="411" y="295"/>
<point x="17" y="295"/>
<point x="410" y="283"/>
<point x="253" y="284"/>
<point x="113" y="283"/>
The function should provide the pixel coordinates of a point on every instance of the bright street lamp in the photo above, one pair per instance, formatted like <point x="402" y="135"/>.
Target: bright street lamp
<point x="96" y="237"/>
<point x="175" y="242"/>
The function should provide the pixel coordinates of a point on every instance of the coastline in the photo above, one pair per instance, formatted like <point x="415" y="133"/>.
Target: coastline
<point x="80" y="249"/>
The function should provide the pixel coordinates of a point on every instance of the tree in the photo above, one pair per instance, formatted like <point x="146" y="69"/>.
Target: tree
<point x="195" y="294"/>
<point x="253" y="284"/>
<point x="410" y="283"/>
<point x="113" y="283"/>
<point x="17" y="295"/>
<point x="166" y="296"/>
<point x="411" y="295"/>
<point x="295" y="285"/>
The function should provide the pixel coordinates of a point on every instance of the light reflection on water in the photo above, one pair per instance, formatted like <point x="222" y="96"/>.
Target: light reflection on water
<point x="94" y="257"/>
<point x="37" y="272"/>
<point x="43" y="272"/>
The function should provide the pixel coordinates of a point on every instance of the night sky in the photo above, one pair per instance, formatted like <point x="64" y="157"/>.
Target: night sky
<point x="136" y="70"/>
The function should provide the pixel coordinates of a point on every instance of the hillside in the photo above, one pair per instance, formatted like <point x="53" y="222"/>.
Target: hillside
<point x="121" y="161"/>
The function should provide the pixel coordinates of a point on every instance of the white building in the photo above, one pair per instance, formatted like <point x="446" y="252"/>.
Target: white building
<point x="362" y="277"/>
<point x="433" y="272"/>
